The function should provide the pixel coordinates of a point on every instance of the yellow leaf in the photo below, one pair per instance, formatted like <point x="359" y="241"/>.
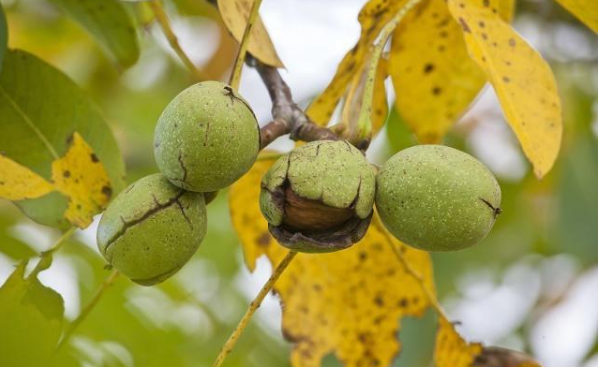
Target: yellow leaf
<point x="81" y="177"/>
<point x="235" y="14"/>
<point x="585" y="10"/>
<point x="354" y="101"/>
<point x="373" y="17"/>
<point x="348" y="302"/>
<point x="451" y="350"/>
<point x="247" y="218"/>
<point x="18" y="182"/>
<point x="434" y="78"/>
<point x="523" y="81"/>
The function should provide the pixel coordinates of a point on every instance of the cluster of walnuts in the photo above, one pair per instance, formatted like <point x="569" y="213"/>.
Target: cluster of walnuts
<point x="317" y="198"/>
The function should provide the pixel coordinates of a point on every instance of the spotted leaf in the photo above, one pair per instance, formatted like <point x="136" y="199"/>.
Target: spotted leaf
<point x="523" y="81"/>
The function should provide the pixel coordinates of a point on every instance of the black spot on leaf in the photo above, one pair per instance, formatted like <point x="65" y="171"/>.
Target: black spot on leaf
<point x="464" y="25"/>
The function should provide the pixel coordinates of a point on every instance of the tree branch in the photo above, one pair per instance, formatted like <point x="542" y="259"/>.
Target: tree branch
<point x="288" y="117"/>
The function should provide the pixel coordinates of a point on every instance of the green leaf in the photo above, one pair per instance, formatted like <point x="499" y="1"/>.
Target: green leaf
<point x="3" y="36"/>
<point x="41" y="110"/>
<point x="9" y="245"/>
<point x="107" y="21"/>
<point x="30" y="319"/>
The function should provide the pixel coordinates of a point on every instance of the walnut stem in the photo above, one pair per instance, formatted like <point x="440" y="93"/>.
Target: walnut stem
<point x="46" y="257"/>
<point x="288" y="117"/>
<point x="409" y="269"/>
<point x="253" y="306"/>
<point x="88" y="308"/>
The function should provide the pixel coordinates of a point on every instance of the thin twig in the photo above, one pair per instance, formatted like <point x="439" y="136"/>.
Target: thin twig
<point x="46" y="256"/>
<point x="235" y="77"/>
<point x="288" y="117"/>
<point x="416" y="275"/>
<point x="88" y="308"/>
<point x="364" y="122"/>
<point x="253" y="306"/>
<point x="164" y="23"/>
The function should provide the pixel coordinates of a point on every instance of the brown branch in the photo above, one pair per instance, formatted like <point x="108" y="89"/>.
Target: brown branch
<point x="288" y="117"/>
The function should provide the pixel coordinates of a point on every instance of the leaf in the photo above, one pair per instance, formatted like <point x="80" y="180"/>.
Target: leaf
<point x="372" y="17"/>
<point x="451" y="350"/>
<point x="80" y="176"/>
<point x="585" y="10"/>
<point x="348" y="302"/>
<point x="434" y="79"/>
<point x="19" y="183"/>
<point x="235" y="14"/>
<point x="50" y="127"/>
<point x="109" y="22"/>
<point x="3" y="36"/>
<point x="9" y="245"/>
<point x="30" y="319"/>
<point x="523" y="81"/>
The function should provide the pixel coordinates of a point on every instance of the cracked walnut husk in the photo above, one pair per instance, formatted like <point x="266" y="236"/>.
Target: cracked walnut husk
<point x="319" y="197"/>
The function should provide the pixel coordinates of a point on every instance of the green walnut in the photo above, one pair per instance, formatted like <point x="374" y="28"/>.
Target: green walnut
<point x="152" y="229"/>
<point x="206" y="138"/>
<point x="437" y="198"/>
<point x="319" y="197"/>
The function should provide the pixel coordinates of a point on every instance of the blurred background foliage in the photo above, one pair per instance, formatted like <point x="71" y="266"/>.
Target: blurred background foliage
<point x="531" y="285"/>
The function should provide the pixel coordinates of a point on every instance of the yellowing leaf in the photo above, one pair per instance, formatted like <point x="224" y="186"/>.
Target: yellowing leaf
<point x="584" y="10"/>
<point x="373" y="17"/>
<point x="434" y="78"/>
<point x="79" y="175"/>
<point x="523" y="81"/>
<point x="40" y="109"/>
<point x="235" y="14"/>
<point x="82" y="178"/>
<point x="247" y="218"/>
<point x="451" y="350"/>
<point x="18" y="182"/>
<point x="109" y="23"/>
<point x="348" y="302"/>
